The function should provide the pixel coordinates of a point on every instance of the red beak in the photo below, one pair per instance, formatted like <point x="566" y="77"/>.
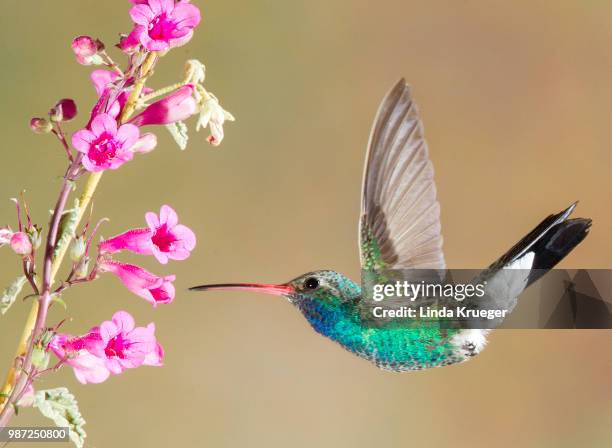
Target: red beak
<point x="276" y="290"/>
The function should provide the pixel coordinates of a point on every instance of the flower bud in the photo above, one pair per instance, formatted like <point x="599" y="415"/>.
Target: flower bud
<point x="64" y="110"/>
<point x="86" y="50"/>
<point x="35" y="236"/>
<point x="21" y="244"/>
<point x="40" y="357"/>
<point x="40" y="125"/>
<point x="78" y="249"/>
<point x="129" y="43"/>
<point x="82" y="269"/>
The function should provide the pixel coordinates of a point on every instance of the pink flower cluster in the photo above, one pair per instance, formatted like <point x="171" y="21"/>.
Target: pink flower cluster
<point x="107" y="145"/>
<point x="112" y="347"/>
<point x="117" y="344"/>
<point x="109" y="139"/>
<point x="159" y="25"/>
<point x="165" y="239"/>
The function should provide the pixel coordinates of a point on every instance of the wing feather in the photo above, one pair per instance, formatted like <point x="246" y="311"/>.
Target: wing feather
<point x="400" y="215"/>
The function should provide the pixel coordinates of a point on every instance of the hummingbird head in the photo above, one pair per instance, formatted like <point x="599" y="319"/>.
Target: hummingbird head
<point x="314" y="293"/>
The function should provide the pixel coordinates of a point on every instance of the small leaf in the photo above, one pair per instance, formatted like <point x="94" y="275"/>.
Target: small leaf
<point x="67" y="226"/>
<point x="8" y="296"/>
<point x="178" y="131"/>
<point x="60" y="301"/>
<point x="60" y="406"/>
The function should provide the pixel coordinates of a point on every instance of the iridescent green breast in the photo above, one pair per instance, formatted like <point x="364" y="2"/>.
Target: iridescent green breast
<point x="391" y="347"/>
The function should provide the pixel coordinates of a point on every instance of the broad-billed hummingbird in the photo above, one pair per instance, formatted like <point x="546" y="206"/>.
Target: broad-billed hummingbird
<point x="400" y="229"/>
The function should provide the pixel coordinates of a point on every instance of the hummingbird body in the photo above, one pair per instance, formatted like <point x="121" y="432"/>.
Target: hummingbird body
<point x="400" y="229"/>
<point x="334" y="312"/>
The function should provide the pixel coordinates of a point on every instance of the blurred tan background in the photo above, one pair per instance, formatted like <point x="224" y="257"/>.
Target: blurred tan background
<point x="516" y="98"/>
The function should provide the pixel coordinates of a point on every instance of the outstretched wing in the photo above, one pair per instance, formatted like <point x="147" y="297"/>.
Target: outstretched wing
<point x="400" y="216"/>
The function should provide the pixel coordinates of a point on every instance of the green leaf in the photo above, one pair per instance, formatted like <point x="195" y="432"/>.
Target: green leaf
<point x="178" y="131"/>
<point x="60" y="301"/>
<point x="8" y="296"/>
<point x="67" y="227"/>
<point x="60" y="406"/>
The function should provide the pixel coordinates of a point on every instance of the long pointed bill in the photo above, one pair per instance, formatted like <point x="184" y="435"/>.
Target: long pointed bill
<point x="276" y="290"/>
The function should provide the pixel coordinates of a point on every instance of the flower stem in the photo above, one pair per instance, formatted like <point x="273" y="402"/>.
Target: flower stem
<point x="162" y="91"/>
<point x="35" y="323"/>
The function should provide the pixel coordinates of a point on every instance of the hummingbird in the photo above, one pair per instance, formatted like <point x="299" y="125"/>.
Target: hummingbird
<point x="399" y="228"/>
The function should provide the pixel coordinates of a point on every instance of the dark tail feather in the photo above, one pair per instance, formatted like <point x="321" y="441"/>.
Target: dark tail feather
<point x="555" y="244"/>
<point x="550" y="241"/>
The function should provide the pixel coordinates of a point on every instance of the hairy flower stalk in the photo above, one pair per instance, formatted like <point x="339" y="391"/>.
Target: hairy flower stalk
<point x="110" y="137"/>
<point x="18" y="381"/>
<point x="41" y="306"/>
<point x="17" y="377"/>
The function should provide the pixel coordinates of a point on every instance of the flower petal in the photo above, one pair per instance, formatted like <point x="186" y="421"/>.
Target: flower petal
<point x="82" y="140"/>
<point x="113" y="365"/>
<point x="179" y="254"/>
<point x="128" y="135"/>
<point x="186" y="15"/>
<point x="161" y="6"/>
<point x="108" y="330"/>
<point x="159" y="255"/>
<point x="156" y="357"/>
<point x="152" y="44"/>
<point x="89" y="369"/>
<point x="168" y="216"/>
<point x="102" y="78"/>
<point x="180" y="41"/>
<point x="90" y="166"/>
<point x="186" y="235"/>
<point x="145" y="144"/>
<point x="152" y="220"/>
<point x="142" y="14"/>
<point x="104" y="123"/>
<point x="124" y="321"/>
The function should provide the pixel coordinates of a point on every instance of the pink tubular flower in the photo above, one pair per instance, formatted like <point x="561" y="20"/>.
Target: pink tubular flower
<point x="134" y="240"/>
<point x="164" y="24"/>
<point x="112" y="347"/>
<point x="165" y="238"/>
<point x="102" y="81"/>
<point x="85" y="49"/>
<point x="141" y="282"/>
<point x="177" y="106"/>
<point x="21" y="244"/>
<point x="122" y="345"/>
<point x="87" y="367"/>
<point x="107" y="147"/>
<point x="170" y="240"/>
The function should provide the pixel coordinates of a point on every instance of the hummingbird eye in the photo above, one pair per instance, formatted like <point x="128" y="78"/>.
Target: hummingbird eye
<point x="311" y="283"/>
